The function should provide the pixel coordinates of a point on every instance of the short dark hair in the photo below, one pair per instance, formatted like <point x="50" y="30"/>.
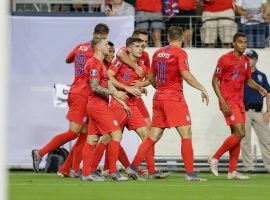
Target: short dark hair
<point x="175" y="32"/>
<point x="137" y="32"/>
<point x="95" y="42"/>
<point x="132" y="40"/>
<point x="111" y="44"/>
<point x="101" y="29"/>
<point x="238" y="35"/>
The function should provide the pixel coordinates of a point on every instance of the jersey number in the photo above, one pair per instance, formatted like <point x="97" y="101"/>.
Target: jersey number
<point x="80" y="61"/>
<point x="161" y="71"/>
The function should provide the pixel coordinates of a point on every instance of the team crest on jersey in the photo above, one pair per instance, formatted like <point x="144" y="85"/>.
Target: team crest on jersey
<point x="259" y="77"/>
<point x="94" y="72"/>
<point x="218" y="70"/>
<point x="232" y="117"/>
<point x="235" y="75"/>
<point x="188" y="118"/>
<point x="115" y="122"/>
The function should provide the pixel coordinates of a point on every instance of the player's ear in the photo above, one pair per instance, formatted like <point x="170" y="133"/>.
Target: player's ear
<point x="168" y="38"/>
<point x="128" y="49"/>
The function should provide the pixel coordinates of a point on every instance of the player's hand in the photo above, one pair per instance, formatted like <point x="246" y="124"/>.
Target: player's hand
<point x="127" y="109"/>
<point x="120" y="95"/>
<point x="139" y="71"/>
<point x="226" y="108"/>
<point x="134" y="91"/>
<point x="136" y="83"/>
<point x="262" y="91"/>
<point x="266" y="118"/>
<point x="205" y="97"/>
<point x="144" y="91"/>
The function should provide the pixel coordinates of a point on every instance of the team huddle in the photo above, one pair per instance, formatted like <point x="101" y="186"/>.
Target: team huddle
<point x="105" y="98"/>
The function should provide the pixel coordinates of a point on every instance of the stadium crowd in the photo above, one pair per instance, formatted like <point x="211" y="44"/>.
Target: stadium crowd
<point x="206" y="23"/>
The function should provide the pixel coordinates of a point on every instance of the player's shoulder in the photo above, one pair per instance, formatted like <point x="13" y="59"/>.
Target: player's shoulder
<point x="145" y="54"/>
<point x="226" y="56"/>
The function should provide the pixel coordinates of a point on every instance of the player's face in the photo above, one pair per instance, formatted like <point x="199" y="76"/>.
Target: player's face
<point x="144" y="39"/>
<point x="136" y="49"/>
<point x="240" y="44"/>
<point x="104" y="47"/>
<point x="109" y="58"/>
<point x="252" y="62"/>
<point x="100" y="36"/>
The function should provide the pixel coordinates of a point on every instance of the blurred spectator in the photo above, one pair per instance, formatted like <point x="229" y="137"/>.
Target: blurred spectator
<point x="120" y="8"/>
<point x="186" y="9"/>
<point x="218" y="19"/>
<point x="254" y="21"/>
<point x="149" y="12"/>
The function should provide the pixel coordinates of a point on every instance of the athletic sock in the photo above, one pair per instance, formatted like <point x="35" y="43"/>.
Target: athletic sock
<point x="142" y="150"/>
<point x="87" y="155"/>
<point x="227" y="145"/>
<point x="97" y="155"/>
<point x="57" y="141"/>
<point x="149" y="159"/>
<point x="122" y="157"/>
<point x="78" y="148"/>
<point x="106" y="162"/>
<point x="234" y="155"/>
<point x="113" y="152"/>
<point x="187" y="154"/>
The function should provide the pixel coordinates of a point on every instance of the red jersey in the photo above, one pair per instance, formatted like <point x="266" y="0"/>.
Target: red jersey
<point x="232" y="73"/>
<point x="96" y="69"/>
<point x="168" y="63"/>
<point x="79" y="56"/>
<point x="187" y="4"/>
<point x="124" y="74"/>
<point x="217" y="5"/>
<point x="149" y="5"/>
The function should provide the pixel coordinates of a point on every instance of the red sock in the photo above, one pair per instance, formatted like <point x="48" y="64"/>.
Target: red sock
<point x="78" y="148"/>
<point x="97" y="155"/>
<point x="68" y="162"/>
<point x="227" y="145"/>
<point x="123" y="157"/>
<point x="149" y="159"/>
<point x="87" y="155"/>
<point x="57" y="141"/>
<point x="234" y="155"/>
<point x="187" y="154"/>
<point x="106" y="162"/>
<point x="113" y="150"/>
<point x="142" y="150"/>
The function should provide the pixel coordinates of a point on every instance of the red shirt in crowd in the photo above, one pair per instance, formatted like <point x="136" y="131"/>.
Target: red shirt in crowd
<point x="149" y="5"/>
<point x="217" y="5"/>
<point x="168" y="63"/>
<point x="79" y="56"/>
<point x="232" y="73"/>
<point x="187" y="5"/>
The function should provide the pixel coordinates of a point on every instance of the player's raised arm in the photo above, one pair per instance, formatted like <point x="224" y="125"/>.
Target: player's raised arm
<point x="192" y="81"/>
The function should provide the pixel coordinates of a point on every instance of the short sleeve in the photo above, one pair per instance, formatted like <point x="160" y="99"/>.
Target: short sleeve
<point x="153" y="68"/>
<point x="71" y="55"/>
<point x="94" y="70"/>
<point x="147" y="63"/>
<point x="183" y="64"/>
<point x="116" y="66"/>
<point x="219" y="71"/>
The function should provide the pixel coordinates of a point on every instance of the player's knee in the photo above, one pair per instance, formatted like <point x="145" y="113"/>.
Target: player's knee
<point x="116" y="135"/>
<point x="106" y="139"/>
<point x="240" y="133"/>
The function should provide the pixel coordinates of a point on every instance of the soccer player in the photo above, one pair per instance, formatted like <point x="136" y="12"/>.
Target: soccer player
<point x="169" y="68"/>
<point x="101" y="118"/>
<point x="231" y="74"/>
<point x="77" y="99"/>
<point x="72" y="164"/>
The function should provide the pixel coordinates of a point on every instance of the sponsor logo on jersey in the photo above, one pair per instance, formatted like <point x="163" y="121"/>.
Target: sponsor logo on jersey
<point x="259" y="77"/>
<point x="232" y="117"/>
<point x="94" y="72"/>
<point x="163" y="55"/>
<point x="83" y="48"/>
<point x="115" y="122"/>
<point x="217" y="70"/>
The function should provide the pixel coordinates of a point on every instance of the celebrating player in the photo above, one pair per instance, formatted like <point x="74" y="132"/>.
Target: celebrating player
<point x="77" y="99"/>
<point x="169" y="68"/>
<point x="231" y="74"/>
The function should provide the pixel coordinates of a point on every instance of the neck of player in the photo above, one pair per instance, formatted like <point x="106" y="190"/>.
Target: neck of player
<point x="100" y="56"/>
<point x="177" y="43"/>
<point x="238" y="54"/>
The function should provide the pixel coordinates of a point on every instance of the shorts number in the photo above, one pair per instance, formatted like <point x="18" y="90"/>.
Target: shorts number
<point x="161" y="71"/>
<point x="79" y="66"/>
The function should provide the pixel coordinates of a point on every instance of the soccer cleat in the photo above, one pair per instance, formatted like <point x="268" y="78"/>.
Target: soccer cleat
<point x="117" y="177"/>
<point x="236" y="175"/>
<point x="62" y="174"/>
<point x="36" y="160"/>
<point x="213" y="164"/>
<point x="142" y="172"/>
<point x="94" y="176"/>
<point x="193" y="177"/>
<point x="133" y="173"/>
<point x="74" y="174"/>
<point x="158" y="175"/>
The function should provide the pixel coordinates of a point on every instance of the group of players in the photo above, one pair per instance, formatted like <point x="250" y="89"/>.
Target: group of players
<point x="105" y="97"/>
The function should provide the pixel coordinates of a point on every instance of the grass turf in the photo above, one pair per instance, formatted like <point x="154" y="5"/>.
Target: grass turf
<point x="30" y="186"/>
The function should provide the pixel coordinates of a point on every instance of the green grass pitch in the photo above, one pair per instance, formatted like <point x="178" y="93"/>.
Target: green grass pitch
<point x="30" y="186"/>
